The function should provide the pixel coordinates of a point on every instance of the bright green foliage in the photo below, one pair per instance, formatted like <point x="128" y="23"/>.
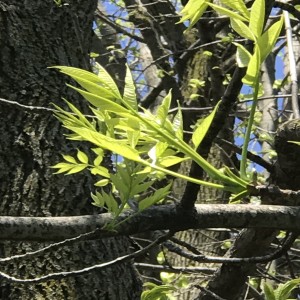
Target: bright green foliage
<point x="282" y="292"/>
<point x="157" y="292"/>
<point x="249" y="25"/>
<point x="202" y="128"/>
<point x="71" y="165"/>
<point x="128" y="185"/>
<point x="151" y="142"/>
<point x="193" y="11"/>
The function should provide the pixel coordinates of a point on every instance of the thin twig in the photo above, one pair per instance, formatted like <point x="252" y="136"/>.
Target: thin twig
<point x="119" y="260"/>
<point x="234" y="260"/>
<point x="177" y="270"/>
<point x="52" y="246"/>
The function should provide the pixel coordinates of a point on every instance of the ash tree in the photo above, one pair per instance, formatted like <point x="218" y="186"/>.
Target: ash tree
<point x="181" y="150"/>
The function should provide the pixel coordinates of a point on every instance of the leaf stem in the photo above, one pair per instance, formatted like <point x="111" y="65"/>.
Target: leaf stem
<point x="248" y="130"/>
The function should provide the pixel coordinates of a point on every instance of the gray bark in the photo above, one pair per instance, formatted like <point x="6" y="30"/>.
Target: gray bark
<point x="156" y="218"/>
<point x="34" y="36"/>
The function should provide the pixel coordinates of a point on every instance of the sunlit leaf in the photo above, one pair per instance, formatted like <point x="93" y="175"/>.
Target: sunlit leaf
<point x="98" y="160"/>
<point x="69" y="159"/>
<point x="163" y="109"/>
<point x="107" y="80"/>
<point x="202" y="128"/>
<point x="102" y="182"/>
<point x="101" y="171"/>
<point x="101" y="102"/>
<point x="76" y="168"/>
<point x="108" y="143"/>
<point x="82" y="157"/>
<point x="238" y="5"/>
<point x="171" y="160"/>
<point x="253" y="68"/>
<point x="257" y="17"/>
<point x="98" y="199"/>
<point x="242" y="29"/>
<point x="129" y="96"/>
<point x="267" y="41"/>
<point x="224" y="11"/>
<point x="103" y="78"/>
<point x="178" y="124"/>
<point x="63" y="167"/>
<point x="193" y="11"/>
<point x="243" y="56"/>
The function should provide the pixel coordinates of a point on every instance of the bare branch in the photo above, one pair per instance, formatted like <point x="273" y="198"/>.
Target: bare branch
<point x="162" y="217"/>
<point x="178" y="270"/>
<point x="234" y="260"/>
<point x="60" y="275"/>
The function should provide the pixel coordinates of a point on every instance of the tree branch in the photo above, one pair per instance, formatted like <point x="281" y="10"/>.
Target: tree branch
<point x="155" y="218"/>
<point x="118" y="260"/>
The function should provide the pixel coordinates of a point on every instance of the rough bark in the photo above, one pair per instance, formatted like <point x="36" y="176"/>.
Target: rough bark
<point x="34" y="36"/>
<point x="163" y="217"/>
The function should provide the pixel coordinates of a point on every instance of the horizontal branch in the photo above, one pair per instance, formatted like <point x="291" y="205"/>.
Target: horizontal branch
<point x="155" y="218"/>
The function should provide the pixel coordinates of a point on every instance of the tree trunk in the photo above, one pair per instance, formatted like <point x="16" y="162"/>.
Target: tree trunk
<point x="34" y="36"/>
<point x="200" y="67"/>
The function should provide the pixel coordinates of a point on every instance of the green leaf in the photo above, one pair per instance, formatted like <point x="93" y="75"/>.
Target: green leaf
<point x="76" y="169"/>
<point x="101" y="171"/>
<point x="98" y="160"/>
<point x="111" y="203"/>
<point x="243" y="56"/>
<point x="193" y="11"/>
<point x="283" y="291"/>
<point x="269" y="38"/>
<point x="238" y="5"/>
<point x="129" y="96"/>
<point x="157" y="292"/>
<point x="103" y="78"/>
<point x="67" y="118"/>
<point x="95" y="88"/>
<point x="107" y="80"/>
<point x="294" y="142"/>
<point x="169" y="161"/>
<point x="140" y="188"/>
<point x="253" y="68"/>
<point x="257" y="17"/>
<point x="155" y="197"/>
<point x="63" y="167"/>
<point x="242" y="29"/>
<point x="107" y="143"/>
<point x="70" y="159"/>
<point x="157" y="150"/>
<point x="98" y="199"/>
<point x="101" y="102"/>
<point x="269" y="292"/>
<point x="106" y="199"/>
<point x="163" y="109"/>
<point x="202" y="128"/>
<point x="227" y="12"/>
<point x="178" y="124"/>
<point x="102" y="182"/>
<point x="133" y="137"/>
<point x="82" y="157"/>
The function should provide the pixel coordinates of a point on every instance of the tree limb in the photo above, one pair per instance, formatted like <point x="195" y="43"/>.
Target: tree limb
<point x="155" y="218"/>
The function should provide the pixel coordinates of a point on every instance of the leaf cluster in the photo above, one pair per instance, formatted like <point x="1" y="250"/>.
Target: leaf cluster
<point x="149" y="144"/>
